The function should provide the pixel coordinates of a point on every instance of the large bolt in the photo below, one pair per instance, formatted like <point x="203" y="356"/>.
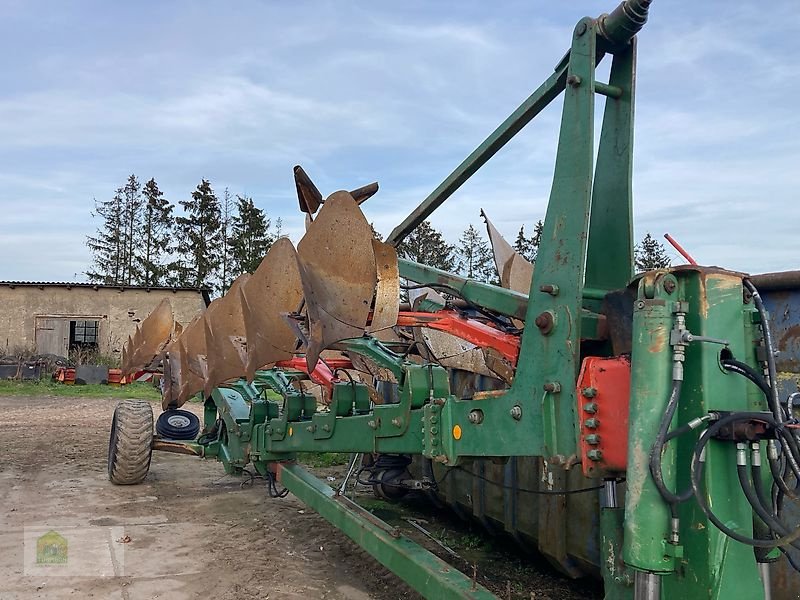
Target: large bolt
<point x="516" y="412"/>
<point x="545" y="322"/>
<point x="326" y="427"/>
<point x="593" y="439"/>
<point x="589" y="392"/>
<point x="549" y="289"/>
<point x="311" y="428"/>
<point x="372" y="424"/>
<point x="397" y="422"/>
<point x="594" y="454"/>
<point x="573" y="81"/>
<point x="592" y="423"/>
<point x="590" y="407"/>
<point x="475" y="416"/>
<point x="552" y="387"/>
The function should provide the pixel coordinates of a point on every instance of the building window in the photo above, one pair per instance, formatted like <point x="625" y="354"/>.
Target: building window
<point x="83" y="334"/>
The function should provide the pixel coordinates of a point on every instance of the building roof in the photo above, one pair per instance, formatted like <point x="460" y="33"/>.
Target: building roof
<point x="205" y="292"/>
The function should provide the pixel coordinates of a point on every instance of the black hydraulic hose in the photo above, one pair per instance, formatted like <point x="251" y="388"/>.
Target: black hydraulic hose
<point x="657" y="451"/>
<point x="778" y="476"/>
<point x="696" y="472"/>
<point x="790" y="442"/>
<point x="771" y="368"/>
<point x="749" y="372"/>
<point x="754" y="494"/>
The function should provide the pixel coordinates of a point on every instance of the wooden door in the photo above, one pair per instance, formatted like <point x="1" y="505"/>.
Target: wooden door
<point x="52" y="336"/>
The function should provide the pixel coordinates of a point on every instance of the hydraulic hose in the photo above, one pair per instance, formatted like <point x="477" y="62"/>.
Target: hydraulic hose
<point x="696" y="471"/>
<point x="656" y="452"/>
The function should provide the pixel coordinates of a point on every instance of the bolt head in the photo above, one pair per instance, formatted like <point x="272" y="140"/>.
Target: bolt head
<point x="516" y="412"/>
<point x="589" y="392"/>
<point x="594" y="454"/>
<point x="592" y="423"/>
<point x="590" y="407"/>
<point x="593" y="439"/>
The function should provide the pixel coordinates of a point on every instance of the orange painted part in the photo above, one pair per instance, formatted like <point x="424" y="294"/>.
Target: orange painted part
<point x="115" y="377"/>
<point x="475" y="332"/>
<point x="322" y="373"/>
<point x="604" y="390"/>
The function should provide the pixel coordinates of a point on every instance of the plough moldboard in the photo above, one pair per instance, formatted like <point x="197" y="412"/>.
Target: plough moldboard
<point x="633" y="427"/>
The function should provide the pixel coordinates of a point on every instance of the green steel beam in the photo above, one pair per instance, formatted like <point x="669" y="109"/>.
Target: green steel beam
<point x="523" y="115"/>
<point x="492" y="297"/>
<point x="419" y="568"/>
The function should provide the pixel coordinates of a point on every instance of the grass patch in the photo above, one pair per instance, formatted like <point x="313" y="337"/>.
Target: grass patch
<point x="144" y="391"/>
<point x="323" y="459"/>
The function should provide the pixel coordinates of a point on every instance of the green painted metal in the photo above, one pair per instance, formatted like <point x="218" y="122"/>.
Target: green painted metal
<point x="424" y="571"/>
<point x="647" y="516"/>
<point x="505" y="302"/>
<point x="705" y="563"/>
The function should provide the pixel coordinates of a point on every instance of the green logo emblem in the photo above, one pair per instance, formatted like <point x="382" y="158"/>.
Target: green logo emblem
<point x="51" y="549"/>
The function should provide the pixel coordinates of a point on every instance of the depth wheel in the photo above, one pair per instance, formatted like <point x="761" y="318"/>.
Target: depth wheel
<point x="131" y="444"/>
<point x="175" y="424"/>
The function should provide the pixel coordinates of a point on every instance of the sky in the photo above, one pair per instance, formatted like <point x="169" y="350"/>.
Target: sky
<point x="394" y="92"/>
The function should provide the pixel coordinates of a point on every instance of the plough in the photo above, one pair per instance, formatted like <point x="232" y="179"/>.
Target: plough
<point x="645" y="405"/>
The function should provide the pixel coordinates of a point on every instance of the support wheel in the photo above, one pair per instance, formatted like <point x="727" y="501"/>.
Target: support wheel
<point x="175" y="424"/>
<point x="130" y="446"/>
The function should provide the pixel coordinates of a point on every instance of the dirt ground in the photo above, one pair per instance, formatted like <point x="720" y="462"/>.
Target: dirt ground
<point x="187" y="531"/>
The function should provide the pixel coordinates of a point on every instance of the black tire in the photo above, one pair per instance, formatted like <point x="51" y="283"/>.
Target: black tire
<point x="175" y="424"/>
<point x="131" y="444"/>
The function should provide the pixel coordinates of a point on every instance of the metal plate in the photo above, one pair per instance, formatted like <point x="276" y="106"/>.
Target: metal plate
<point x="387" y="291"/>
<point x="273" y="290"/>
<point x="225" y="338"/>
<point x="451" y="352"/>
<point x="515" y="272"/>
<point x="192" y="358"/>
<point x="337" y="269"/>
<point x="153" y="335"/>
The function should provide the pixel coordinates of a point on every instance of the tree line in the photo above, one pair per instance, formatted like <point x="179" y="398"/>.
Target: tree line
<point x="140" y="240"/>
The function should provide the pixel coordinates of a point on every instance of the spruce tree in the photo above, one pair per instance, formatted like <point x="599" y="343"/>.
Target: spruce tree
<point x="156" y="236"/>
<point x="251" y="238"/>
<point x="426" y="245"/>
<point x="650" y="254"/>
<point x="226" y="266"/>
<point x="108" y="246"/>
<point x="132" y="218"/>
<point x="528" y="247"/>
<point x="475" y="257"/>
<point x="198" y="238"/>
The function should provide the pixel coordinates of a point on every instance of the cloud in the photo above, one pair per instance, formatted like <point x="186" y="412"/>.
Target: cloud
<point x="395" y="93"/>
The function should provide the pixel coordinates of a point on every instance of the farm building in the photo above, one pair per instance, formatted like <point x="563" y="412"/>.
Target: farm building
<point x="56" y="317"/>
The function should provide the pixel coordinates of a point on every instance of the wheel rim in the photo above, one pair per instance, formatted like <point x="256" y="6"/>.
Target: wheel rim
<point x="178" y="421"/>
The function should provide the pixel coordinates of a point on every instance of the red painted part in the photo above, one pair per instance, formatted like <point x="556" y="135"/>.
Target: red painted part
<point x="114" y="376"/>
<point x="604" y="386"/>
<point x="475" y="332"/>
<point x="69" y="376"/>
<point x="680" y="249"/>
<point x="322" y="373"/>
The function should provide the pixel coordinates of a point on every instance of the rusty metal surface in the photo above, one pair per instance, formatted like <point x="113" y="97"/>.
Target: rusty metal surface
<point x="515" y="272"/>
<point x="337" y="269"/>
<point x="308" y="195"/>
<point x="191" y="355"/>
<point x="145" y="349"/>
<point x="450" y="351"/>
<point x="274" y="289"/>
<point x="387" y="291"/>
<point x="225" y="338"/>
<point x="177" y="448"/>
